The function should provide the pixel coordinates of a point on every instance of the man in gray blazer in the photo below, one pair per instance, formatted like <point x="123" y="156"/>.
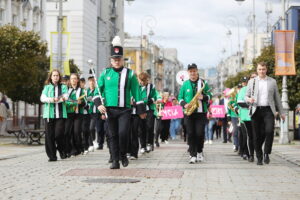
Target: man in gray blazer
<point x="264" y="99"/>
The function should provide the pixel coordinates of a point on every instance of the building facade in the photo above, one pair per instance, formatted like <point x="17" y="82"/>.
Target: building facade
<point x="92" y="24"/>
<point x="27" y="15"/>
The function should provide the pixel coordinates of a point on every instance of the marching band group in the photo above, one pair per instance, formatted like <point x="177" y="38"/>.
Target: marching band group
<point x="126" y="108"/>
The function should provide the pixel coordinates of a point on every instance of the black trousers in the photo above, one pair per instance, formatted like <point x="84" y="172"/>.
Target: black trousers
<point x="118" y="127"/>
<point x="263" y="130"/>
<point x="224" y="126"/>
<point x="158" y="127"/>
<point x="73" y="134"/>
<point x="133" y="141"/>
<point x="250" y="137"/>
<point x="243" y="139"/>
<point x="86" y="120"/>
<point x="54" y="138"/>
<point x="147" y="129"/>
<point x="100" y="130"/>
<point x="165" y="130"/>
<point x="195" y="126"/>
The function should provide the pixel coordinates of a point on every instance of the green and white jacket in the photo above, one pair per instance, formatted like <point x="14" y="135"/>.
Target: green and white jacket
<point x="189" y="90"/>
<point x="91" y="94"/>
<point x="72" y="105"/>
<point x="54" y="110"/>
<point x="151" y="95"/>
<point x="116" y="87"/>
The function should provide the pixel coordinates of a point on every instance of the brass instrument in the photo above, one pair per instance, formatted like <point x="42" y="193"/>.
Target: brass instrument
<point x="194" y="104"/>
<point x="232" y="94"/>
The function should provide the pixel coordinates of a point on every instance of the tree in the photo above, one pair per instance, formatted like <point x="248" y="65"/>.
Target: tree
<point x="23" y="64"/>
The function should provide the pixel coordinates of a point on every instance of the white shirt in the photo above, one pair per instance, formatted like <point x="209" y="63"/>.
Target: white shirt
<point x="262" y="92"/>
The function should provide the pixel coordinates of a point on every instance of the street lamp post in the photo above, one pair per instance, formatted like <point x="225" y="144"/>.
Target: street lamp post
<point x="253" y="27"/>
<point x="239" y="39"/>
<point x="284" y="130"/>
<point x="148" y="19"/>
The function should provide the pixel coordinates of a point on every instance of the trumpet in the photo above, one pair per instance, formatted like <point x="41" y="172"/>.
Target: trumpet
<point x="194" y="104"/>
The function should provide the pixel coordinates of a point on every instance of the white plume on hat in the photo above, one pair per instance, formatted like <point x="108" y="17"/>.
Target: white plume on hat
<point x="116" y="41"/>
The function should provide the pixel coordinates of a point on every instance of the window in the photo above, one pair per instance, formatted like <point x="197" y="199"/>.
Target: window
<point x="15" y="20"/>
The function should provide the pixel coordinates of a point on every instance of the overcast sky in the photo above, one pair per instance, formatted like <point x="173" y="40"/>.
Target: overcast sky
<point x="197" y="28"/>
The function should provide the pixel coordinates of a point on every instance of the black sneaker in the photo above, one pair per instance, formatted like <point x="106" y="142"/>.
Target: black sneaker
<point x="115" y="165"/>
<point x="251" y="159"/>
<point x="259" y="161"/>
<point x="52" y="159"/>
<point x="266" y="158"/>
<point x="125" y="161"/>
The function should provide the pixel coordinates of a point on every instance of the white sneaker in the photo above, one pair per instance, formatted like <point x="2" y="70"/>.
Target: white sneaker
<point x="200" y="157"/>
<point x="95" y="144"/>
<point x="192" y="160"/>
<point x="166" y="142"/>
<point x="210" y="142"/>
<point x="148" y="148"/>
<point x="85" y="152"/>
<point x="142" y="150"/>
<point x="206" y="142"/>
<point x="91" y="148"/>
<point x="233" y="147"/>
<point x="132" y="158"/>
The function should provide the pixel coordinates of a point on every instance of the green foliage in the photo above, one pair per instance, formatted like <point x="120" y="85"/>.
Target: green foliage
<point x="73" y="67"/>
<point x="268" y="56"/>
<point x="23" y="64"/>
<point x="233" y="81"/>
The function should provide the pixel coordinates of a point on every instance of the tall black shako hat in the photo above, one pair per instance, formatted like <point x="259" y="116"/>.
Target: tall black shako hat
<point x="116" y="48"/>
<point x="192" y="66"/>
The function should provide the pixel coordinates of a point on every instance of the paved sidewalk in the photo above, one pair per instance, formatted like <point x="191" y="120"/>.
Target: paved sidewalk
<point x="162" y="174"/>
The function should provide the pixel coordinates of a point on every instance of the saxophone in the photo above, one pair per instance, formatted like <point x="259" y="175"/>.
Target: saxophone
<point x="194" y="104"/>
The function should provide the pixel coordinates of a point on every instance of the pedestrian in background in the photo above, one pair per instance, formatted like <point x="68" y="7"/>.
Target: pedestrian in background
<point x="175" y="123"/>
<point x="4" y="114"/>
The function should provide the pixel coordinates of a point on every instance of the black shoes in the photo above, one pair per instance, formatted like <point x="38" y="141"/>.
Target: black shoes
<point x="63" y="155"/>
<point x="52" y="159"/>
<point x="157" y="144"/>
<point x="224" y="141"/>
<point x="266" y="158"/>
<point x="125" y="161"/>
<point x="115" y="165"/>
<point x="251" y="159"/>
<point x="100" y="147"/>
<point x="259" y="161"/>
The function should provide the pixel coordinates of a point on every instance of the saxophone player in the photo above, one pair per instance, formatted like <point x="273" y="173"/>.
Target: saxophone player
<point x="195" y="122"/>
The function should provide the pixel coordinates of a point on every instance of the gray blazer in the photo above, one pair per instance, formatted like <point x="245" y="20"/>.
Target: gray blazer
<point x="273" y="94"/>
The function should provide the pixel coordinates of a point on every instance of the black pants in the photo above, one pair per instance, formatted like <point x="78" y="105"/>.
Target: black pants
<point x="263" y="130"/>
<point x="86" y="130"/>
<point x="118" y="127"/>
<point x="224" y="126"/>
<point x="73" y="134"/>
<point x="147" y="129"/>
<point x="195" y="126"/>
<point x="250" y="137"/>
<point x="165" y="130"/>
<point x="54" y="138"/>
<point x="100" y="130"/>
<point x="158" y="128"/>
<point x="133" y="141"/>
<point x="243" y="138"/>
